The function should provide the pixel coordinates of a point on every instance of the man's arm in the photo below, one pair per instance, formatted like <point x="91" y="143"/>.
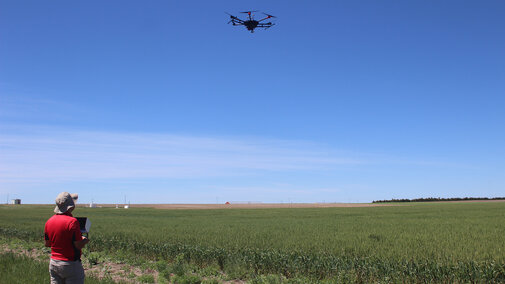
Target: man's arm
<point x="80" y="240"/>
<point x="47" y="242"/>
<point x="80" y="244"/>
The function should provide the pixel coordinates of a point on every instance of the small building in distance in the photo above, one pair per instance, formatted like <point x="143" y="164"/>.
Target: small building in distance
<point x="92" y="205"/>
<point x="16" y="201"/>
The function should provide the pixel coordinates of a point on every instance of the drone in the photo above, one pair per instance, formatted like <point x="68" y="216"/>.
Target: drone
<point x="251" y="23"/>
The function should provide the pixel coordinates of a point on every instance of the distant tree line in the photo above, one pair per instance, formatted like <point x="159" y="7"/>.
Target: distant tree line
<point x="435" y="199"/>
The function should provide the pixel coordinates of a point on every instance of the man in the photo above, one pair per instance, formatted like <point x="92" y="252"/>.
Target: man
<point x="62" y="233"/>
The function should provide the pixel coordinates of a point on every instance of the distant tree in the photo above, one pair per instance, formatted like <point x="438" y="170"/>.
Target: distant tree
<point x="435" y="199"/>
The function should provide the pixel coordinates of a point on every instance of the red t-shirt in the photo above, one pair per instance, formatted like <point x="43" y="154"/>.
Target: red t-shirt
<point x="62" y="230"/>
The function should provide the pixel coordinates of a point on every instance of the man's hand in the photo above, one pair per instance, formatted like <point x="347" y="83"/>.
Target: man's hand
<point x="80" y="244"/>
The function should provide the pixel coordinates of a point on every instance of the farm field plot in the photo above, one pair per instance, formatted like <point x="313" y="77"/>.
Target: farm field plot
<point x="441" y="242"/>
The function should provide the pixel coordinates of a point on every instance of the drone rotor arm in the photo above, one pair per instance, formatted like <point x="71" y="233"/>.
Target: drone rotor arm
<point x="268" y="16"/>
<point x="265" y="25"/>
<point x="236" y="21"/>
<point x="233" y="18"/>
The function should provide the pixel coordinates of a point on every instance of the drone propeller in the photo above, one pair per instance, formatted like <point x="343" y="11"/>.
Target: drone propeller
<point x="248" y="12"/>
<point x="270" y="16"/>
<point x="231" y="16"/>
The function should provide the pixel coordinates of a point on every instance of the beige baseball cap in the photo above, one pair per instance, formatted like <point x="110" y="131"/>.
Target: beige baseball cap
<point x="65" y="201"/>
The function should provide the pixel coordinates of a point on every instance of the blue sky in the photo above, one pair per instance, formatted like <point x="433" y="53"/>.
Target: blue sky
<point x="163" y="102"/>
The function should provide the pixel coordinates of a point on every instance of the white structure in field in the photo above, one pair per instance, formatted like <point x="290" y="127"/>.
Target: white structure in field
<point x="15" y="201"/>
<point x="92" y="205"/>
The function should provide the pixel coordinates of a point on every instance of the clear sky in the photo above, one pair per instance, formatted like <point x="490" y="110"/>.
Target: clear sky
<point x="163" y="102"/>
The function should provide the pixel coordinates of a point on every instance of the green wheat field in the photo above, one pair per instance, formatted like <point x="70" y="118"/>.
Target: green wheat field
<point x="413" y="243"/>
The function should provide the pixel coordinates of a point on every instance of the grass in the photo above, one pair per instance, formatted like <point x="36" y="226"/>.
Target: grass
<point x="456" y="242"/>
<point x="18" y="269"/>
<point x="21" y="269"/>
